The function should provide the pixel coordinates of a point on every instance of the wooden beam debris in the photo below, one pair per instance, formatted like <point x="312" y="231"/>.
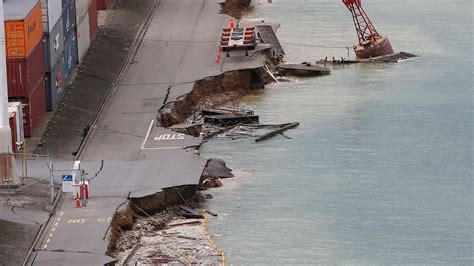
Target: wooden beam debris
<point x="277" y="131"/>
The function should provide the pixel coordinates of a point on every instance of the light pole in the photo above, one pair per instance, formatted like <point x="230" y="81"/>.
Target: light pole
<point x="8" y="175"/>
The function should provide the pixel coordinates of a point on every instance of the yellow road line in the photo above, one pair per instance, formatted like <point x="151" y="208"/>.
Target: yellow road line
<point x="213" y="245"/>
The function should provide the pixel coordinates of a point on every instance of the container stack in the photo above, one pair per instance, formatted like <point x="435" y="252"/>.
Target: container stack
<point x="70" y="40"/>
<point x="83" y="29"/>
<point x="15" y="113"/>
<point x="102" y="4"/>
<point x="44" y="41"/>
<point x="53" y="38"/>
<point x="25" y="59"/>
<point x="93" y="20"/>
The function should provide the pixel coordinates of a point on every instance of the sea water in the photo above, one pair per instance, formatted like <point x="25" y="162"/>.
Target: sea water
<point x="380" y="171"/>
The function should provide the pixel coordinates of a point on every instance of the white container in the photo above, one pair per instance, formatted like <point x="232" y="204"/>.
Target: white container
<point x="51" y="11"/>
<point x="82" y="8"/>
<point x="83" y="37"/>
<point x="16" y="108"/>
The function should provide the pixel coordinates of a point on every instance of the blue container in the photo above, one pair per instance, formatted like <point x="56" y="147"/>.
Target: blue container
<point x="54" y="45"/>
<point x="69" y="20"/>
<point x="64" y="3"/>
<point x="54" y="85"/>
<point x="70" y="58"/>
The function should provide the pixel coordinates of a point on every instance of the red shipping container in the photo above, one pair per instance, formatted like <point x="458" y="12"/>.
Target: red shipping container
<point x="23" y="74"/>
<point x="12" y="120"/>
<point x="102" y="4"/>
<point x="93" y="20"/>
<point x="34" y="108"/>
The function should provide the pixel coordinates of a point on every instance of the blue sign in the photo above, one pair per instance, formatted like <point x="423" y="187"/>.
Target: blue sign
<point x="67" y="177"/>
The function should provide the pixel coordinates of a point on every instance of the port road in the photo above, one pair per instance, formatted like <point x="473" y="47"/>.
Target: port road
<point x="139" y="157"/>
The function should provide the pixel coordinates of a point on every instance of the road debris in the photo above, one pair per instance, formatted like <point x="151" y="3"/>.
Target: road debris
<point x="391" y="58"/>
<point x="277" y="131"/>
<point x="181" y="241"/>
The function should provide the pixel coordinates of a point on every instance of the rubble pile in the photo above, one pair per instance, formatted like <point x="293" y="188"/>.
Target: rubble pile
<point x="166" y="238"/>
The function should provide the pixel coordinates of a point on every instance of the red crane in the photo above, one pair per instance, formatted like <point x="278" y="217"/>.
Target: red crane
<point x="371" y="44"/>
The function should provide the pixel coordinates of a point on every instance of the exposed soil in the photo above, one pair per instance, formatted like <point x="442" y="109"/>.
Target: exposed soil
<point x="213" y="91"/>
<point x="235" y="8"/>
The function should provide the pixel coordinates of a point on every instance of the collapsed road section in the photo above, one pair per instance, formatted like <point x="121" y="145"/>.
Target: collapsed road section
<point x="144" y="163"/>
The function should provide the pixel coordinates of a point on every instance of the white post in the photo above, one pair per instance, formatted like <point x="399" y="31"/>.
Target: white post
<point x="8" y="175"/>
<point x="51" y="184"/>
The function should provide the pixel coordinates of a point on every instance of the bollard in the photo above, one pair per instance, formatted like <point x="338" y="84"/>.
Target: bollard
<point x="87" y="190"/>
<point x="231" y="23"/>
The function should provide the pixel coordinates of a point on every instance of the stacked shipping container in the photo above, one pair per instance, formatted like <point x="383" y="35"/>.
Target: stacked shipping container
<point x="54" y="44"/>
<point x="25" y="59"/>
<point x="70" y="40"/>
<point x="93" y="20"/>
<point x="18" y="131"/>
<point x="42" y="42"/>
<point x="102" y="4"/>
<point x="83" y="29"/>
<point x="13" y="127"/>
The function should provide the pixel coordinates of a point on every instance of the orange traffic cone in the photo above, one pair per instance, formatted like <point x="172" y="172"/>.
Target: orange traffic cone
<point x="78" y="201"/>
<point x="231" y="23"/>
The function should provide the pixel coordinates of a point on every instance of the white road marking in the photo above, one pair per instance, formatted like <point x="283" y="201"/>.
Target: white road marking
<point x="147" y="134"/>
<point x="168" y="137"/>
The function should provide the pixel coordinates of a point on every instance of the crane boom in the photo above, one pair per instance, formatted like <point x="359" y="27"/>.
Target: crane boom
<point x="364" y="27"/>
<point x="370" y="43"/>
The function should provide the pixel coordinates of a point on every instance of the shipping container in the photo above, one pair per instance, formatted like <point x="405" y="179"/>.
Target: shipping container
<point x="23" y="27"/>
<point x="83" y="38"/>
<point x="34" y="108"/>
<point x="69" y="19"/>
<point x="102" y="4"/>
<point x="82" y="6"/>
<point x="70" y="58"/>
<point x="16" y="107"/>
<point x="66" y="2"/>
<point x="51" y="11"/>
<point x="54" y="45"/>
<point x="93" y="20"/>
<point x="54" y="85"/>
<point x="23" y="74"/>
<point x="13" y="128"/>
